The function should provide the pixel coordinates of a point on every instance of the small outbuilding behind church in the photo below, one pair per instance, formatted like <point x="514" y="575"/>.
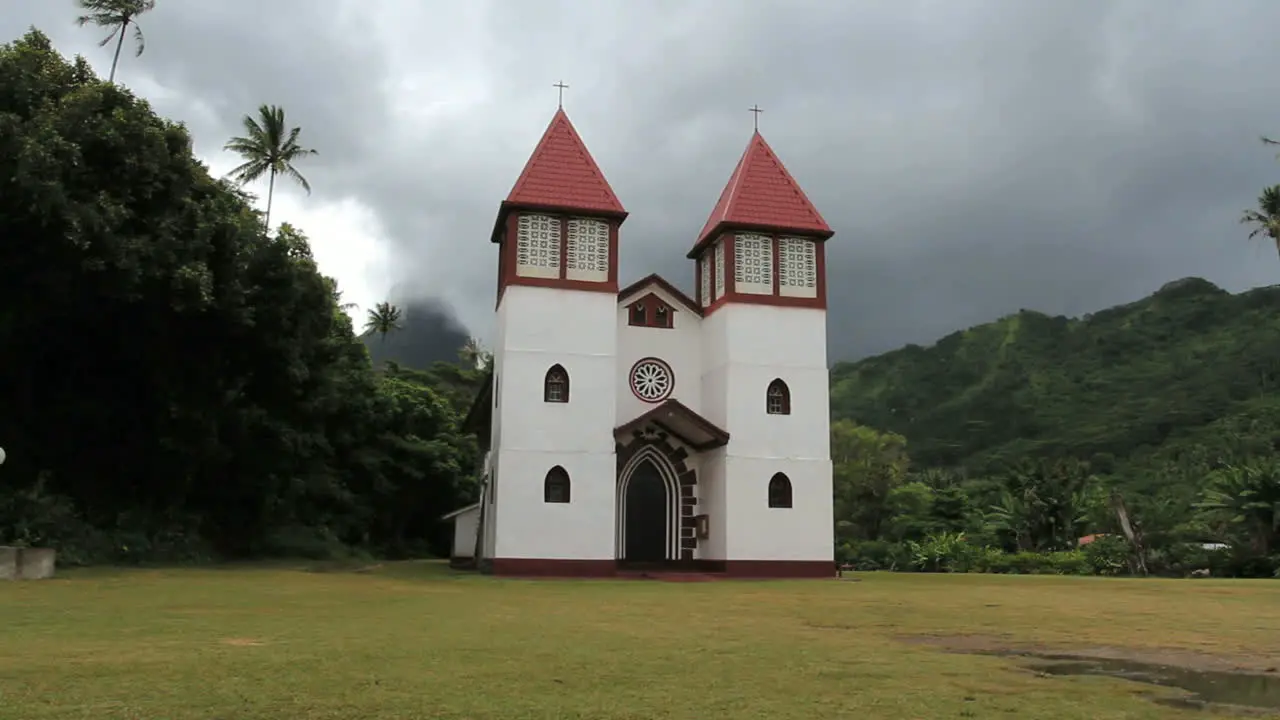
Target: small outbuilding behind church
<point x="466" y="521"/>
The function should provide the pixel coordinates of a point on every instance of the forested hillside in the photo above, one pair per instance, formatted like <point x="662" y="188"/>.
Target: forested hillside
<point x="1115" y="386"/>
<point x="1163" y="402"/>
<point x="176" y="382"/>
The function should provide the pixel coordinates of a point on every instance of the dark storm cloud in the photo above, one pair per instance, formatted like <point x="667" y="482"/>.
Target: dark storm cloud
<point x="973" y="157"/>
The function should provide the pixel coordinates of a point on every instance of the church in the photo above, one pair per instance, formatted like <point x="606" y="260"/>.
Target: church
<point x="641" y="429"/>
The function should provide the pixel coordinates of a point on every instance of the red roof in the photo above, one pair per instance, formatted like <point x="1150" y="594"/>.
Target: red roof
<point x="762" y="194"/>
<point x="562" y="174"/>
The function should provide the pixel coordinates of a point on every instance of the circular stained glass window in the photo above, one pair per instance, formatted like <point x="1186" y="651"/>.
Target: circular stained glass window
<point x="652" y="380"/>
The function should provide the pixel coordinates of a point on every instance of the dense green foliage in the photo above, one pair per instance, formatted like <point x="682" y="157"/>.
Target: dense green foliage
<point x="174" y="382"/>
<point x="1023" y="432"/>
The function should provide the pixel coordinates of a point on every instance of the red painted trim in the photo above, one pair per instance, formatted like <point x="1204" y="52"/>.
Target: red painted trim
<point x="730" y="263"/>
<point x="507" y="256"/>
<point x="820" y="262"/>
<point x="564" y="248"/>
<point x="697" y="282"/>
<point x="728" y="569"/>
<point x="809" y="233"/>
<point x="651" y="303"/>
<point x="536" y="567"/>
<point x="656" y="279"/>
<point x="614" y="226"/>
<point x="819" y="301"/>
<point x="715" y="265"/>
<point x="777" y="569"/>
<point x="776" y="246"/>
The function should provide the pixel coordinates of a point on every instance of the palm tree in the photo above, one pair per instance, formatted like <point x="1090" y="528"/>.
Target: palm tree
<point x="267" y="149"/>
<point x="382" y="319"/>
<point x="472" y="354"/>
<point x="117" y="15"/>
<point x="1266" y="217"/>
<point x="1244" y="500"/>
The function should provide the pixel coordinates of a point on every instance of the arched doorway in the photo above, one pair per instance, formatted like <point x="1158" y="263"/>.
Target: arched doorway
<point x="646" y="505"/>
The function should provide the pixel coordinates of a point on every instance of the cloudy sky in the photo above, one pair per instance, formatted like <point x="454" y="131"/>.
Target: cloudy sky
<point x="974" y="156"/>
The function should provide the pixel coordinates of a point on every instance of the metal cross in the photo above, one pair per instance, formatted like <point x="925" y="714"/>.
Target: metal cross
<point x="561" y="86"/>
<point x="756" y="120"/>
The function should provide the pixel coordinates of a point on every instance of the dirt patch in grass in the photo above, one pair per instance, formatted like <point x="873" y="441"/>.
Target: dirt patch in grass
<point x="242" y="642"/>
<point x="1258" y="663"/>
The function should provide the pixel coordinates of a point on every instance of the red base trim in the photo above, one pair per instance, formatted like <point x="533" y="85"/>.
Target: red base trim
<point x="740" y="569"/>
<point x="538" y="567"/>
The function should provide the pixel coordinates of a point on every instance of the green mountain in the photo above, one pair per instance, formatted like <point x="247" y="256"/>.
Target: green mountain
<point x="1182" y="378"/>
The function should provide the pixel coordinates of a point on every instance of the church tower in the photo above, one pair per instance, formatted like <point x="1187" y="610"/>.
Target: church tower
<point x="760" y="278"/>
<point x="551" y="493"/>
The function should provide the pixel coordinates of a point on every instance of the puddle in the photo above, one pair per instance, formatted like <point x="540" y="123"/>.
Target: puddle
<point x="1206" y="686"/>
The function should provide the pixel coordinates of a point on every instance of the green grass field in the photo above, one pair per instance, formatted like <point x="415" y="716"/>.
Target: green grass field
<point x="412" y="640"/>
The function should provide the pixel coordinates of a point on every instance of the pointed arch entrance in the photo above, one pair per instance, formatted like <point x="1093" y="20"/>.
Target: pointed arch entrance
<point x="648" y="509"/>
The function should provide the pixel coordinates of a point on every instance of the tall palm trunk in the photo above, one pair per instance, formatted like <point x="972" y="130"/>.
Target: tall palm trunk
<point x="271" y="191"/>
<point x="116" y="60"/>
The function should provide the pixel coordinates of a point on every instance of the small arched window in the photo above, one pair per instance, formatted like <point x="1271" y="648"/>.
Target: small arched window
<point x="779" y="491"/>
<point x="555" y="489"/>
<point x="777" y="399"/>
<point x="555" y="387"/>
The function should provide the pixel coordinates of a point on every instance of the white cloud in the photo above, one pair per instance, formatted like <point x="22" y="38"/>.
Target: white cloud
<point x="347" y="238"/>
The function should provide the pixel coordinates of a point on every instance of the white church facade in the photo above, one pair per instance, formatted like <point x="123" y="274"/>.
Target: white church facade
<point x="640" y="427"/>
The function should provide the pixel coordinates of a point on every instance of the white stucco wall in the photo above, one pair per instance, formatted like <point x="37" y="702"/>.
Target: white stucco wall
<point x="538" y="328"/>
<point x="744" y="347"/>
<point x="679" y="346"/>
<point x="758" y="532"/>
<point x="464" y="532"/>
<point x="711" y="502"/>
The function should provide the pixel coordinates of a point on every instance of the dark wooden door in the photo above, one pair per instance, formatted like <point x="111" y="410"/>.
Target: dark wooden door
<point x="646" y="521"/>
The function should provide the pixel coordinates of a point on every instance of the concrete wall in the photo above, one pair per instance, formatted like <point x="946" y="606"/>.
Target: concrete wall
<point x="539" y="328"/>
<point x="27" y="563"/>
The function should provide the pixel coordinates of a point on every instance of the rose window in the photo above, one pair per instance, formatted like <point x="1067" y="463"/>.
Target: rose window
<point x="652" y="380"/>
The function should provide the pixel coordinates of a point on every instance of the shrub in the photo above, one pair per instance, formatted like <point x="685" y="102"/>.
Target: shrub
<point x="875" y="555"/>
<point x="991" y="559"/>
<point x="1242" y="563"/>
<point x="947" y="552"/>
<point x="1107" y="555"/>
<point x="1069" y="562"/>
<point x="310" y="543"/>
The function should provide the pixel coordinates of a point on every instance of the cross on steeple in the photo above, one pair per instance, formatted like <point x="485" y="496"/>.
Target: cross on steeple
<point x="755" y="120"/>
<point x="561" y="87"/>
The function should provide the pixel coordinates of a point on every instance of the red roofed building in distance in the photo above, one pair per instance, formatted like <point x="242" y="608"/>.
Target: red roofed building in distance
<point x="645" y="428"/>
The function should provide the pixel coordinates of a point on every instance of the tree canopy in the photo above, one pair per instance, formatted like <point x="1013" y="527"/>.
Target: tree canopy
<point x="174" y="381"/>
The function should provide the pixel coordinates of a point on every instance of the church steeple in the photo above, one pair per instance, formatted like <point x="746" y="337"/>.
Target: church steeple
<point x="559" y="225"/>
<point x="562" y="175"/>
<point x="763" y="242"/>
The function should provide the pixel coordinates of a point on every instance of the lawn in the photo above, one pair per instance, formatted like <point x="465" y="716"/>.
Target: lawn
<point x="412" y="640"/>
